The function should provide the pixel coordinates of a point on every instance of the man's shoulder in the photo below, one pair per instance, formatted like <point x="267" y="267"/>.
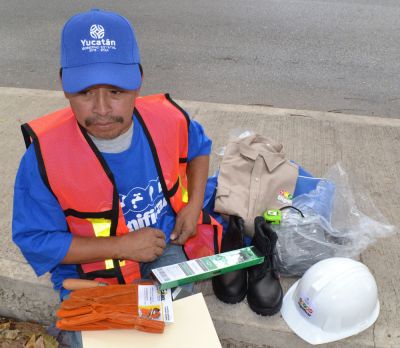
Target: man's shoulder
<point x="54" y="115"/>
<point x="161" y="104"/>
<point x="49" y="122"/>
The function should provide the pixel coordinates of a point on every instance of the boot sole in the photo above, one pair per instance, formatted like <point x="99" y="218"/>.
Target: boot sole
<point x="232" y="299"/>
<point x="266" y="311"/>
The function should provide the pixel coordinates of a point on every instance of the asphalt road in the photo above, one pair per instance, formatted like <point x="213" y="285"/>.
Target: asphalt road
<point x="327" y="55"/>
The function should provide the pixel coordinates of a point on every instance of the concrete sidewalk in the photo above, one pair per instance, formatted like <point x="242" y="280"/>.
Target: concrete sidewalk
<point x="367" y="147"/>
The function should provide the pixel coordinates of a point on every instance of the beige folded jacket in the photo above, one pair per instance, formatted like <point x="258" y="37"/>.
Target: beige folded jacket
<point x="254" y="176"/>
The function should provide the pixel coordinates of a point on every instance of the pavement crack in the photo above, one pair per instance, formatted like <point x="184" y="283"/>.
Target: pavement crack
<point x="357" y="98"/>
<point x="260" y="104"/>
<point x="227" y="59"/>
<point x="300" y="115"/>
<point x="341" y="111"/>
<point x="396" y="292"/>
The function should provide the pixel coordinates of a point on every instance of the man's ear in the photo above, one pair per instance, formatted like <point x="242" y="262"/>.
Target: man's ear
<point x="141" y="74"/>
<point x="60" y="76"/>
<point x="141" y="70"/>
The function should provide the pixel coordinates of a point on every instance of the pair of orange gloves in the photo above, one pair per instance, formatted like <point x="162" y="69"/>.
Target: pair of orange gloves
<point x="103" y="308"/>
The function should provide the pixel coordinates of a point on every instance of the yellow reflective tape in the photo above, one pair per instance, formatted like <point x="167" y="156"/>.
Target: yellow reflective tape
<point x="185" y="196"/>
<point x="185" y="193"/>
<point x="101" y="227"/>
<point x="122" y="263"/>
<point x="109" y="263"/>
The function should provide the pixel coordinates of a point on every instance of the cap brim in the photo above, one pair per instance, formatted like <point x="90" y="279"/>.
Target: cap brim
<point x="125" y="76"/>
<point x="309" y="332"/>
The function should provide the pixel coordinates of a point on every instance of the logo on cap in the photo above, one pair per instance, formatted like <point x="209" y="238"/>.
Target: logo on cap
<point x="100" y="44"/>
<point x="97" y="31"/>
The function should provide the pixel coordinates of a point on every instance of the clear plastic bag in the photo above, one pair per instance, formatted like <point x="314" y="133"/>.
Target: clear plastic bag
<point x="237" y="133"/>
<point x="332" y="225"/>
<point x="318" y="201"/>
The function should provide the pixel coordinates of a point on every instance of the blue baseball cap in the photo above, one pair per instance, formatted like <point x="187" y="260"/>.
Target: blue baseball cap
<point x="99" y="47"/>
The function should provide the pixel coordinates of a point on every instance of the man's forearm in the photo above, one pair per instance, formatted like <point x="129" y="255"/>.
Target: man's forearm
<point x="91" y="249"/>
<point x="197" y="173"/>
<point x="143" y="245"/>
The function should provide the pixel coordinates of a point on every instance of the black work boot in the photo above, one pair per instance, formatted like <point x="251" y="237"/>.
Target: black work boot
<point x="231" y="287"/>
<point x="264" y="293"/>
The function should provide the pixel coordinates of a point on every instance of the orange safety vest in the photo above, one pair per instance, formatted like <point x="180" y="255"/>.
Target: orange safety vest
<point x="75" y="172"/>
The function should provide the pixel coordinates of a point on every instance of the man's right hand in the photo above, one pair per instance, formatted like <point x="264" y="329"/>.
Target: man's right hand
<point x="143" y="245"/>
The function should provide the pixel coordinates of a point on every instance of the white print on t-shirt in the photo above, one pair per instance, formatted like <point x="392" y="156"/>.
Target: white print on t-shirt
<point x="143" y="206"/>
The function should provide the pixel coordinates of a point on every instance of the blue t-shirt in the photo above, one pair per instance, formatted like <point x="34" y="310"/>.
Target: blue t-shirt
<point x="39" y="226"/>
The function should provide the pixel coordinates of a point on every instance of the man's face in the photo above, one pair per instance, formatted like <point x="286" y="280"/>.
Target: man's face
<point x="105" y="111"/>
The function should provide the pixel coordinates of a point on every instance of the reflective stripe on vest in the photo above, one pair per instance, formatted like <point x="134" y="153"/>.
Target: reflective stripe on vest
<point x="71" y="166"/>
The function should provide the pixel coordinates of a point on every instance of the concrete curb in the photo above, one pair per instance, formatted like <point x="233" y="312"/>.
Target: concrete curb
<point x="220" y="107"/>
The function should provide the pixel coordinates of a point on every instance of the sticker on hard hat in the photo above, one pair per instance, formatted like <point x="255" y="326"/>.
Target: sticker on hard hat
<point x="305" y="307"/>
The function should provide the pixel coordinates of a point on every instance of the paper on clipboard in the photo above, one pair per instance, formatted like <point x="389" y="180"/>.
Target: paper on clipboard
<point x="192" y="327"/>
<point x="155" y="304"/>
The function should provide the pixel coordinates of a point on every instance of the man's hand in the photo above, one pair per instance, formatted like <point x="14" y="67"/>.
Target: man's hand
<point x="185" y="225"/>
<point x="186" y="219"/>
<point x="143" y="245"/>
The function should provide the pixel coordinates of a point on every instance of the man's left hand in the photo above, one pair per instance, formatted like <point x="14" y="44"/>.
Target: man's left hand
<point x="185" y="225"/>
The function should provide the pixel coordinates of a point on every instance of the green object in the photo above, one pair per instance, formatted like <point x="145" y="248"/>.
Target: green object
<point x="206" y="267"/>
<point x="273" y="216"/>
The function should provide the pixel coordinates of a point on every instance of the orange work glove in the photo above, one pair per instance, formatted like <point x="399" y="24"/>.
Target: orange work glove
<point x="104" y="307"/>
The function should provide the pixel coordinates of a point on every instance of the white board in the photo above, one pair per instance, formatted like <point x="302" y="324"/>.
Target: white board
<point x="193" y="327"/>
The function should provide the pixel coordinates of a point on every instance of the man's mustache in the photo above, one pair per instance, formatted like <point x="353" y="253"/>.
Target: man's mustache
<point x="93" y="120"/>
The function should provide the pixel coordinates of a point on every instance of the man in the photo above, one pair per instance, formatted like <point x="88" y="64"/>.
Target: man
<point x="114" y="165"/>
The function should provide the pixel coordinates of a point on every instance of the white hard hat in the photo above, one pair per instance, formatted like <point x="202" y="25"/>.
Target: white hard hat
<point x="335" y="298"/>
